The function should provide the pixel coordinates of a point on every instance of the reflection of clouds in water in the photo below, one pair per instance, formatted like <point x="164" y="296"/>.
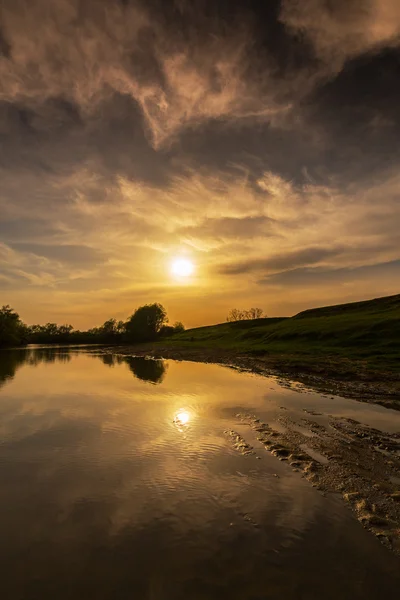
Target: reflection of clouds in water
<point x="116" y="447"/>
<point x="111" y="470"/>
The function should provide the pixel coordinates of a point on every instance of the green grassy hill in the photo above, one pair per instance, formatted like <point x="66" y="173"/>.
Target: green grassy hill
<point x="368" y="331"/>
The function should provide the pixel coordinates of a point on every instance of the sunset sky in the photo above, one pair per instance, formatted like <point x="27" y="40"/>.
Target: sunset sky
<point x="262" y="145"/>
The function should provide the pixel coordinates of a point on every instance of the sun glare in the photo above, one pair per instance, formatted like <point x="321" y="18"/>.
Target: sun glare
<point x="183" y="417"/>
<point x="182" y="267"/>
<point x="182" y="420"/>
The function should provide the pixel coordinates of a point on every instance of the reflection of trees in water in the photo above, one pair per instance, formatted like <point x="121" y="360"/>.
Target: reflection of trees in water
<point x="49" y="355"/>
<point x="11" y="360"/>
<point x="147" y="369"/>
<point x="112" y="359"/>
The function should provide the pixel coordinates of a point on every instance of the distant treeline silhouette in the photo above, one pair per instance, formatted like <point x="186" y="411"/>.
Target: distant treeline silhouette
<point x="147" y="323"/>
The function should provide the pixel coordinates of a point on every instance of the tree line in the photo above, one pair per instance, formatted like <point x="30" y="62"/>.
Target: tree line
<point x="147" y="323"/>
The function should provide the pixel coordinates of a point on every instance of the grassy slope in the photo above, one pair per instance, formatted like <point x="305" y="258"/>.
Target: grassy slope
<point x="368" y="332"/>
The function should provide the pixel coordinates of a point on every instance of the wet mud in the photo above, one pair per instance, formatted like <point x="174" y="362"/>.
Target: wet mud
<point x="358" y="462"/>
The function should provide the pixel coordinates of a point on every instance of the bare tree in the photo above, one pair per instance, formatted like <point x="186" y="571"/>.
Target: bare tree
<point x="255" y="313"/>
<point x="233" y="315"/>
<point x="236" y="314"/>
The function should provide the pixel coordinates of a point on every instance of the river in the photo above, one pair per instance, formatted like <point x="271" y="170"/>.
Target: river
<point x="120" y="479"/>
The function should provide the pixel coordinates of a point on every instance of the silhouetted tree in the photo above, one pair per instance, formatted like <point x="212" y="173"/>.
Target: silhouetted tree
<point x="235" y="315"/>
<point x="146" y="322"/>
<point x="111" y="331"/>
<point x="255" y="313"/>
<point x="242" y="315"/>
<point x="50" y="333"/>
<point x="168" y="330"/>
<point x="12" y="331"/>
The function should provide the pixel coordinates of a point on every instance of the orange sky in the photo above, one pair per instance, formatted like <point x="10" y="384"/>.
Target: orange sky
<point x="136" y="132"/>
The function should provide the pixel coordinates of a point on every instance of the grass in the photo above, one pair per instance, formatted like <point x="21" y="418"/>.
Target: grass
<point x="366" y="333"/>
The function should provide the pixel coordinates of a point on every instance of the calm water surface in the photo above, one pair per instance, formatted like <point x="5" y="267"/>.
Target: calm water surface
<point x="117" y="482"/>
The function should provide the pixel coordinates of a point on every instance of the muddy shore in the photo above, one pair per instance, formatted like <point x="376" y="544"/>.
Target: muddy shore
<point x="337" y="455"/>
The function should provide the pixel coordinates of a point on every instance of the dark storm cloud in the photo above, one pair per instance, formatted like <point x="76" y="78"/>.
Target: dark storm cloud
<point x="357" y="115"/>
<point x="114" y="80"/>
<point x="181" y="66"/>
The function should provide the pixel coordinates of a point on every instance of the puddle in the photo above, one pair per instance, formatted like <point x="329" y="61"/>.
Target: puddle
<point x="314" y="454"/>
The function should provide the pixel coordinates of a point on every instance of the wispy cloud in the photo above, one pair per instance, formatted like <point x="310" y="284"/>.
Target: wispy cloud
<point x="340" y="31"/>
<point x="84" y="55"/>
<point x="253" y="142"/>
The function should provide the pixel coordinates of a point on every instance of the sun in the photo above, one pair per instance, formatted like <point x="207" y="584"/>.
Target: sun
<point x="182" y="267"/>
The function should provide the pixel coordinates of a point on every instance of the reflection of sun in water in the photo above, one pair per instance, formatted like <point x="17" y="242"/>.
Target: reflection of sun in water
<point x="182" y="418"/>
<point x="182" y="267"/>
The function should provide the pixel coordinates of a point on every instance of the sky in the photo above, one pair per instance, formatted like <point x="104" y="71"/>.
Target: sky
<point x="260" y="140"/>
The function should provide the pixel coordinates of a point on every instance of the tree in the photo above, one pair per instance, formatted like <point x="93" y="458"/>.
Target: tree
<point x="236" y="315"/>
<point x="50" y="333"/>
<point x="109" y="327"/>
<point x="178" y="327"/>
<point x="12" y="331"/>
<point x="146" y="322"/>
<point x="255" y="313"/>
<point x="168" y="330"/>
<point x="242" y="315"/>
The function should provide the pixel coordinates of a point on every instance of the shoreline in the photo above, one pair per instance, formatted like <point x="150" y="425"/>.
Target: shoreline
<point x="334" y="376"/>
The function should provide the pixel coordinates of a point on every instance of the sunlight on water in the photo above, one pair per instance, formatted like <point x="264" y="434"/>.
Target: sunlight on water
<point x="125" y="463"/>
<point x="183" y="417"/>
